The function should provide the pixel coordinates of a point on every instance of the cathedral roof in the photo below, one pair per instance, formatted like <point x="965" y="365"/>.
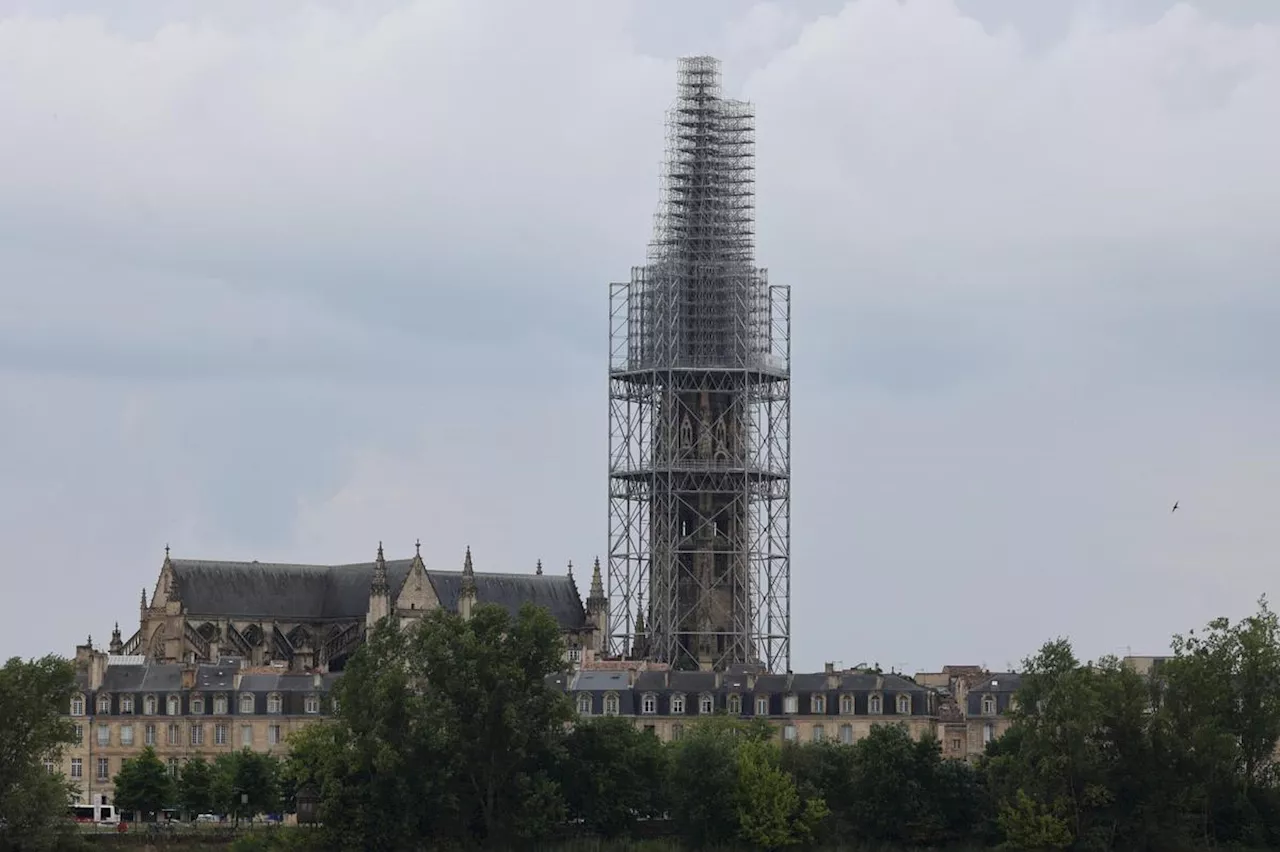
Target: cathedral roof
<point x="307" y="593"/>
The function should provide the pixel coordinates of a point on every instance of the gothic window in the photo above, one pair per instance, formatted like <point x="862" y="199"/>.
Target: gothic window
<point x="904" y="705"/>
<point x="735" y="704"/>
<point x="197" y="704"/>
<point x="219" y="705"/>
<point x="874" y="705"/>
<point x="762" y="705"/>
<point x="174" y="705"/>
<point x="246" y="703"/>
<point x="611" y="704"/>
<point x="104" y="704"/>
<point x="818" y="704"/>
<point x="584" y="704"/>
<point x="677" y="705"/>
<point x="790" y="704"/>
<point x="126" y="703"/>
<point x="846" y="734"/>
<point x="988" y="705"/>
<point x="77" y="705"/>
<point x="846" y="705"/>
<point x="274" y="703"/>
<point x="312" y="704"/>
<point x="706" y="704"/>
<point x="149" y="705"/>
<point x="649" y="704"/>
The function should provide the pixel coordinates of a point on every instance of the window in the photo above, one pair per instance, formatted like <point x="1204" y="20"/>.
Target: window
<point x="273" y="735"/>
<point x="818" y="704"/>
<point x="790" y="704"/>
<point x="677" y="705"/>
<point x="104" y="768"/>
<point x="611" y="704"/>
<point x="735" y="704"/>
<point x="819" y="733"/>
<point x="126" y="703"/>
<point x="173" y="767"/>
<point x="988" y="705"/>
<point x="174" y="734"/>
<point x="79" y="734"/>
<point x="706" y="704"/>
<point x="988" y="733"/>
<point x="584" y="704"/>
<point x="677" y="731"/>
<point x="311" y="704"/>
<point x="650" y="729"/>
<point x="150" y="735"/>
<point x="789" y="733"/>
<point x="846" y="734"/>
<point x="575" y="655"/>
<point x="77" y="705"/>
<point x="274" y="704"/>
<point x="762" y="705"/>
<point x="104" y="705"/>
<point x="246" y="703"/>
<point x="246" y="735"/>
<point x="77" y="767"/>
<point x="846" y="705"/>
<point x="197" y="705"/>
<point x="874" y="705"/>
<point x="219" y="734"/>
<point x="149" y="705"/>
<point x="126" y="735"/>
<point x="173" y="705"/>
<point x="955" y="743"/>
<point x="904" y="705"/>
<point x="197" y="734"/>
<point x="219" y="705"/>
<point x="49" y="767"/>
<point x="104" y="735"/>
<point x="649" y="704"/>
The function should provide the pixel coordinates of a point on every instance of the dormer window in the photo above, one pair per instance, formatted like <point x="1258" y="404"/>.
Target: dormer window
<point x="173" y="705"/>
<point x="988" y="705"/>
<point x="611" y="704"/>
<point x="77" y="705"/>
<point x="197" y="705"/>
<point x="677" y="705"/>
<point x="875" y="705"/>
<point x="149" y="705"/>
<point x="762" y="705"/>
<point x="575" y="655"/>
<point x="274" y="703"/>
<point x="818" y="704"/>
<point x="126" y="703"/>
<point x="311" y="704"/>
<point x="649" y="704"/>
<point x="846" y="705"/>
<point x="735" y="704"/>
<point x="706" y="704"/>
<point x="220" y="705"/>
<point x="104" y="704"/>
<point x="790" y="705"/>
<point x="584" y="704"/>
<point x="246" y="703"/>
<point x="904" y="705"/>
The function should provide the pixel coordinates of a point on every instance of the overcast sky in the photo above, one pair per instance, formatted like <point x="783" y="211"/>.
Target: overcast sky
<point x="279" y="281"/>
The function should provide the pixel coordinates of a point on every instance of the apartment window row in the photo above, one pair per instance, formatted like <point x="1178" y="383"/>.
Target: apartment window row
<point x="247" y="704"/>
<point x="173" y="734"/>
<point x="734" y="703"/>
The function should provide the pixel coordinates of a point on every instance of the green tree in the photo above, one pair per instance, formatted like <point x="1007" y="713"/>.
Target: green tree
<point x="612" y="774"/>
<point x="703" y="780"/>
<point x="144" y="785"/>
<point x="769" y="810"/>
<point x="196" y="787"/>
<point x="33" y="803"/>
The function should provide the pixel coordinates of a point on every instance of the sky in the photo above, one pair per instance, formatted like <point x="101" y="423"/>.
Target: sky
<point x="281" y="281"/>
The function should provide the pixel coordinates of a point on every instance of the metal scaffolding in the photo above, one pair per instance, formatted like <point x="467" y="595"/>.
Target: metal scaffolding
<point x="700" y="410"/>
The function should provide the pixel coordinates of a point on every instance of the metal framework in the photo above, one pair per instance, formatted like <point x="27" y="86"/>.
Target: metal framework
<point x="700" y="410"/>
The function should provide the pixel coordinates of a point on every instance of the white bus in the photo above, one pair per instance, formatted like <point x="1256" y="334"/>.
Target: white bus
<point x="95" y="813"/>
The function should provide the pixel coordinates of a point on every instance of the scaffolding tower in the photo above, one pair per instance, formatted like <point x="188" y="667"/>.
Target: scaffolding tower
<point x="700" y="410"/>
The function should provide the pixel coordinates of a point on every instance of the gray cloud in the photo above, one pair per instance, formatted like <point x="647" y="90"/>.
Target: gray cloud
<point x="279" y="283"/>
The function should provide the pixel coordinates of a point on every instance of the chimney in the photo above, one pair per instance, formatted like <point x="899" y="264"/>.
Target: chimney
<point x="666" y="678"/>
<point x="833" y="679"/>
<point x="188" y="676"/>
<point x="97" y="669"/>
<point x="719" y="680"/>
<point x="317" y="680"/>
<point x="751" y="681"/>
<point x="235" y="681"/>
<point x="631" y="675"/>
<point x="830" y="668"/>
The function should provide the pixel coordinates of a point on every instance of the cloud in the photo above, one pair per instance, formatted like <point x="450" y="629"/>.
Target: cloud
<point x="282" y="283"/>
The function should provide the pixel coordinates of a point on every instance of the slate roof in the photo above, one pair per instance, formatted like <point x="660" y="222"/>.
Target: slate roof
<point x="311" y="593"/>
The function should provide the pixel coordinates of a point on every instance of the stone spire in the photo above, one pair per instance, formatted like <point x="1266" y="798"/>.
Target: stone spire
<point x="379" y="586"/>
<point x="640" y="644"/>
<point x="379" y="592"/>
<point x="467" y="599"/>
<point x="116" y="645"/>
<point x="597" y="583"/>
<point x="538" y="570"/>
<point x="598" y="611"/>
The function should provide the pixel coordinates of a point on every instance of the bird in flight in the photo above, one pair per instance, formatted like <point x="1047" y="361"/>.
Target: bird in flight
<point x="1175" y="507"/>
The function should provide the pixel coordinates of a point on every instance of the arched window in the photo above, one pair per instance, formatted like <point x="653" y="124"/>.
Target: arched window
<point x="735" y="704"/>
<point x="584" y="704"/>
<point x="817" y="704"/>
<point x="762" y="705"/>
<point x="77" y="705"/>
<point x="149" y="705"/>
<point x="126" y="703"/>
<point x="220" y="705"/>
<point x="246" y="703"/>
<point x="311" y="704"/>
<point x="904" y="705"/>
<point x="846" y="705"/>
<point x="677" y="705"/>
<point x="875" y="705"/>
<point x="274" y="703"/>
<point x="174" y="705"/>
<point x="611" y="704"/>
<point x="649" y="704"/>
<point x="706" y="704"/>
<point x="197" y="704"/>
<point x="104" y="704"/>
<point x="988" y="705"/>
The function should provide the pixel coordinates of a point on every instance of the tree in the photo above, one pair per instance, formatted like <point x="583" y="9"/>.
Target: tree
<point x="144" y="785"/>
<point x="703" y="781"/>
<point x="33" y="803"/>
<point x="770" y="812"/>
<point x="195" y="793"/>
<point x="612" y="774"/>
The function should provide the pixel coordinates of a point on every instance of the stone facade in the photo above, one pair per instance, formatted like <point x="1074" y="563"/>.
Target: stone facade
<point x="973" y="706"/>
